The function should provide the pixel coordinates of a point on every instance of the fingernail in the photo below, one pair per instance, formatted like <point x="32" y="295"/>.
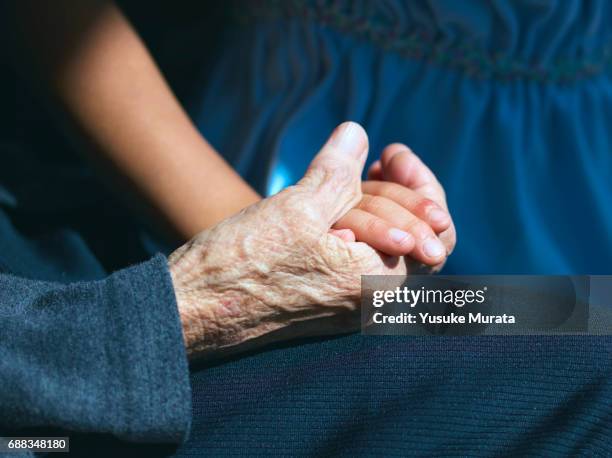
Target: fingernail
<point x="399" y="236"/>
<point x="433" y="248"/>
<point x="436" y="215"/>
<point x="350" y="139"/>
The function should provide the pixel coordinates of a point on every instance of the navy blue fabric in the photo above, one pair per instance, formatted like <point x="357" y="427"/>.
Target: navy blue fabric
<point x="394" y="396"/>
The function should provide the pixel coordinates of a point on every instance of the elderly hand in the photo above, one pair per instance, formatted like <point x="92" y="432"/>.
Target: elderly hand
<point x="274" y="269"/>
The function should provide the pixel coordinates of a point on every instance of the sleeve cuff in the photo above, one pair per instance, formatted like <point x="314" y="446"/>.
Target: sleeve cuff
<point x="151" y="359"/>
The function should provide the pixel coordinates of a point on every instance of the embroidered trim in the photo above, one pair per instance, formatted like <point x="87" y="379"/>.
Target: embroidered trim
<point x="421" y="44"/>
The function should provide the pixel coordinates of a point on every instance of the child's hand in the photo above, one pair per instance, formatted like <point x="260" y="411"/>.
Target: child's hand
<point x="406" y="214"/>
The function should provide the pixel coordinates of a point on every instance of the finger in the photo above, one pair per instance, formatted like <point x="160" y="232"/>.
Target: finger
<point x="420" y="206"/>
<point x="400" y="165"/>
<point x="449" y="238"/>
<point x="344" y="234"/>
<point x="375" y="171"/>
<point x="379" y="263"/>
<point x="333" y="180"/>
<point x="377" y="233"/>
<point x="428" y="249"/>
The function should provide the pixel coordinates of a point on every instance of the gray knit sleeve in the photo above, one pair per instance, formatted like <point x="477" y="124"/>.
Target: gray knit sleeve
<point x="102" y="357"/>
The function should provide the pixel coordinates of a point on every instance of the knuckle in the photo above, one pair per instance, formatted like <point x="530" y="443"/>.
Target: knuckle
<point x="434" y="190"/>
<point x="374" y="225"/>
<point x="340" y="179"/>
<point x="423" y="205"/>
<point x="374" y="204"/>
<point x="401" y="194"/>
<point x="297" y="209"/>
<point x="420" y="229"/>
<point x="407" y="160"/>
<point x="449" y="238"/>
<point x="389" y="191"/>
<point x="337" y="173"/>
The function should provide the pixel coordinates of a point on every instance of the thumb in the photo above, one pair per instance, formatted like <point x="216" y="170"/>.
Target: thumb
<point x="333" y="179"/>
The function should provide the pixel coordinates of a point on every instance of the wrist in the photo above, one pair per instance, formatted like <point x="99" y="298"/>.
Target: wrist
<point x="192" y="310"/>
<point x="215" y="312"/>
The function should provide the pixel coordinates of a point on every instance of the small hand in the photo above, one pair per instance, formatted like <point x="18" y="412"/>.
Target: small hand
<point x="400" y="165"/>
<point x="404" y="215"/>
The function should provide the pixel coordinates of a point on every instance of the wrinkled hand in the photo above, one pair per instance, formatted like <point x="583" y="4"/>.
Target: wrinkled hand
<point x="275" y="265"/>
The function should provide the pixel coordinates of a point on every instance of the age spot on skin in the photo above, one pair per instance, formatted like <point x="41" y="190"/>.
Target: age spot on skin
<point x="229" y="308"/>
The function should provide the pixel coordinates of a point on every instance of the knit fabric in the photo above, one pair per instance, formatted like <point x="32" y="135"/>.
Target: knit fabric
<point x="104" y="356"/>
<point x="409" y="396"/>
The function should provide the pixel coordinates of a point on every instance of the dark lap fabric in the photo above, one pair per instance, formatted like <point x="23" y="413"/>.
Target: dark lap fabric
<point x="409" y="396"/>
